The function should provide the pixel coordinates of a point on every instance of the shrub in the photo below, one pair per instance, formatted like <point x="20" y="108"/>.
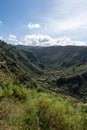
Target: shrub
<point x="20" y="92"/>
<point x="39" y="111"/>
<point x="47" y="112"/>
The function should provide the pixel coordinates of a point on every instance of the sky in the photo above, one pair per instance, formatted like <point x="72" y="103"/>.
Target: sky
<point x="43" y="22"/>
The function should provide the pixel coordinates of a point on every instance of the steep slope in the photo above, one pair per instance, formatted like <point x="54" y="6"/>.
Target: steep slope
<point x="65" y="67"/>
<point x="25" y="60"/>
<point x="19" y="66"/>
<point x="65" y="56"/>
<point x="24" y="108"/>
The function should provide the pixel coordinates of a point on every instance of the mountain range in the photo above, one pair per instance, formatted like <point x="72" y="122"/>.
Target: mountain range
<point x="62" y="69"/>
<point x="65" y="67"/>
<point x="43" y="87"/>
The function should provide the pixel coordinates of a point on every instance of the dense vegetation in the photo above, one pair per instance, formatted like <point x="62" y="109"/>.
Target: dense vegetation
<point x="25" y="109"/>
<point x="32" y="99"/>
<point x="64" y="56"/>
<point x="65" y="68"/>
<point x="25" y="60"/>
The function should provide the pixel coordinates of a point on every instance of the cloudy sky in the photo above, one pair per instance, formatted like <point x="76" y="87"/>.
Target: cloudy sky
<point x="44" y="22"/>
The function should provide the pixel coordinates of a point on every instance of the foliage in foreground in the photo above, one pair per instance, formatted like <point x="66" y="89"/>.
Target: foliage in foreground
<point x="25" y="109"/>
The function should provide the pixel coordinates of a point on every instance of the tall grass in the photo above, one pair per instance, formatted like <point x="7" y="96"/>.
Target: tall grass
<point x="25" y="109"/>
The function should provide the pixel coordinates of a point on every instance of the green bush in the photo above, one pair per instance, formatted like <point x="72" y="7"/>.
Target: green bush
<point x="7" y="89"/>
<point x="39" y="111"/>
<point x="47" y="112"/>
<point x="20" y="92"/>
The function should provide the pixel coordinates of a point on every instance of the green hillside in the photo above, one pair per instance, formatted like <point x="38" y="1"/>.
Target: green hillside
<point x="19" y="66"/>
<point x="25" y="109"/>
<point x="38" y="95"/>
<point x="65" y="68"/>
<point x="23" y="59"/>
<point x="64" y="56"/>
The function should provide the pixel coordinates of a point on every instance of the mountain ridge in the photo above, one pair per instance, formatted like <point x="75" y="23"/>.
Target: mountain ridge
<point x="19" y="66"/>
<point x="65" y="68"/>
<point x="66" y="56"/>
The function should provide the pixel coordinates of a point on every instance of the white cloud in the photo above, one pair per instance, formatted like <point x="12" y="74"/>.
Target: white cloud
<point x="66" y="17"/>
<point x="55" y="26"/>
<point x="33" y="26"/>
<point x="12" y="37"/>
<point x="37" y="40"/>
<point x="64" y="41"/>
<point x="44" y="40"/>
